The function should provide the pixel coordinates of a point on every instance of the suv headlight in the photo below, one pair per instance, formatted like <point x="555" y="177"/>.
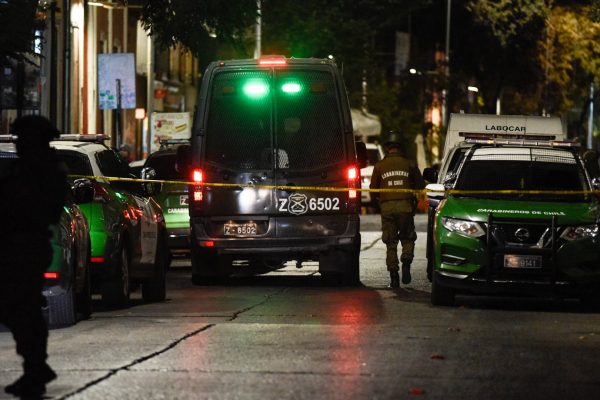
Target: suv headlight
<point x="580" y="232"/>
<point x="467" y="228"/>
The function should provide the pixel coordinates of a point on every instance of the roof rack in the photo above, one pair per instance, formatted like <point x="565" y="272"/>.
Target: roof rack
<point x="85" y="138"/>
<point x="523" y="142"/>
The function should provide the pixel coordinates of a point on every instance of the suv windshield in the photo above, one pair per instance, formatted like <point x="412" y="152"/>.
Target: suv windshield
<point x="523" y="172"/>
<point x="263" y="120"/>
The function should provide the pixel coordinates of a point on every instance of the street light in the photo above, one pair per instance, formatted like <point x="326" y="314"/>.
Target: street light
<point x="473" y="89"/>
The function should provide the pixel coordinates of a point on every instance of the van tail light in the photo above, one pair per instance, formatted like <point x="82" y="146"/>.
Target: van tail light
<point x="100" y="193"/>
<point x="198" y="179"/>
<point x="51" y="275"/>
<point x="353" y="175"/>
<point x="197" y="175"/>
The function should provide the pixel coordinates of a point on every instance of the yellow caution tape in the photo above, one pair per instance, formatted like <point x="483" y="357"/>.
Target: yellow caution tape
<point x="341" y="189"/>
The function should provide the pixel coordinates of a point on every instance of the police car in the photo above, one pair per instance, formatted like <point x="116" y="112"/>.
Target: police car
<point x="127" y="227"/>
<point x="67" y="285"/>
<point x="518" y="214"/>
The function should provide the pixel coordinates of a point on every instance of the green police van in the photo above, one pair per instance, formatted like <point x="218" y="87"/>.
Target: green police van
<point x="513" y="211"/>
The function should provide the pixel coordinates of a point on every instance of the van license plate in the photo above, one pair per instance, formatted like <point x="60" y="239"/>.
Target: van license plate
<point x="246" y="229"/>
<point x="519" y="261"/>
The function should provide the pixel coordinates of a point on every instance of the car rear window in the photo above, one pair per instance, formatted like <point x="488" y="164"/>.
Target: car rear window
<point x="76" y="163"/>
<point x="111" y="164"/>
<point x="261" y="121"/>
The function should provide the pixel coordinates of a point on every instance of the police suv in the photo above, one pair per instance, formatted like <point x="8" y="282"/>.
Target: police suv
<point x="270" y="136"/>
<point x="513" y="211"/>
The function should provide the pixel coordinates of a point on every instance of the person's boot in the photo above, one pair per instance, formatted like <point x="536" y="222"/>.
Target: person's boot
<point x="32" y="384"/>
<point x="394" y="279"/>
<point x="406" y="278"/>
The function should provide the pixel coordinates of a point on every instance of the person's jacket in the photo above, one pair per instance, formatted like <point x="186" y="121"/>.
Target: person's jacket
<point x="396" y="172"/>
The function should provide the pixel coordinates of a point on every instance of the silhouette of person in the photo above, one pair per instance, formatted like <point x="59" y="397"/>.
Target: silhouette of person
<point x="32" y="195"/>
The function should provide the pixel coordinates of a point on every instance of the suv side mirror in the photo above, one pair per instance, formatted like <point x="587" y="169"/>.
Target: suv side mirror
<point x="361" y="154"/>
<point x="184" y="160"/>
<point x="435" y="191"/>
<point x="150" y="188"/>
<point x="430" y="174"/>
<point x="83" y="191"/>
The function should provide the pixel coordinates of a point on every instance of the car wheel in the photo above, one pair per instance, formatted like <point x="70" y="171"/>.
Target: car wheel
<point x="155" y="288"/>
<point x="208" y="268"/>
<point x="341" y="267"/>
<point x="61" y="309"/>
<point x="115" y="292"/>
<point x="441" y="295"/>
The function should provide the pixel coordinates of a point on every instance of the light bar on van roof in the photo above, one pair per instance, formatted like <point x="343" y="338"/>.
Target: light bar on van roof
<point x="468" y="135"/>
<point x="523" y="142"/>
<point x="85" y="138"/>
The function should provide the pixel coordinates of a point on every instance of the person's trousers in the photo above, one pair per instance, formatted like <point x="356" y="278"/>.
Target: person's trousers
<point x="398" y="226"/>
<point x="22" y="314"/>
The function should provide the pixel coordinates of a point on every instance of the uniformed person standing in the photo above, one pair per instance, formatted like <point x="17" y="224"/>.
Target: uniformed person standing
<point x="397" y="208"/>
<point x="32" y="195"/>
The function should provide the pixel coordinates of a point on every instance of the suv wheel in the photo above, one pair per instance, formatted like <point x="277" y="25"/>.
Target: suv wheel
<point x="155" y="288"/>
<point x="441" y="295"/>
<point x="115" y="292"/>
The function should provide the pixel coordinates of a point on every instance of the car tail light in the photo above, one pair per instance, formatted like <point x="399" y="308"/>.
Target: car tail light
<point x="353" y="175"/>
<point x="197" y="178"/>
<point x="51" y="275"/>
<point x="97" y="259"/>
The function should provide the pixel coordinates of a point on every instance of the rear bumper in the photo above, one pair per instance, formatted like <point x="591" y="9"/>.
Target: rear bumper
<point x="287" y="237"/>
<point x="179" y="240"/>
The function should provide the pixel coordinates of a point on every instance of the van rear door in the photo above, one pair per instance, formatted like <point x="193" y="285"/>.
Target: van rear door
<point x="309" y="141"/>
<point x="238" y="144"/>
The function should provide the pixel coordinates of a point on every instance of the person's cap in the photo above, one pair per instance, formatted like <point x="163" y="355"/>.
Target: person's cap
<point x="34" y="127"/>
<point x="394" y="139"/>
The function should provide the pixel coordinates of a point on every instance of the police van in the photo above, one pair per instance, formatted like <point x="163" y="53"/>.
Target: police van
<point x="275" y="170"/>
<point x="512" y="211"/>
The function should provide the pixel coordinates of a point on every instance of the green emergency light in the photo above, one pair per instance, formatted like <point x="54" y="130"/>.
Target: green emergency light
<point x="256" y="89"/>
<point x="291" y="88"/>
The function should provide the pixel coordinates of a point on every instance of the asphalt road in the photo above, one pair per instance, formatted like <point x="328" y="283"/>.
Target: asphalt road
<point x="287" y="335"/>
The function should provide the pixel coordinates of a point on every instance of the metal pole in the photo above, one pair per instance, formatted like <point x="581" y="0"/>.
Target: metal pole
<point x="258" y="50"/>
<point x="117" y="140"/>
<point x="149" y="93"/>
<point x="66" y="117"/>
<point x="590" y="136"/>
<point x="447" y="67"/>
